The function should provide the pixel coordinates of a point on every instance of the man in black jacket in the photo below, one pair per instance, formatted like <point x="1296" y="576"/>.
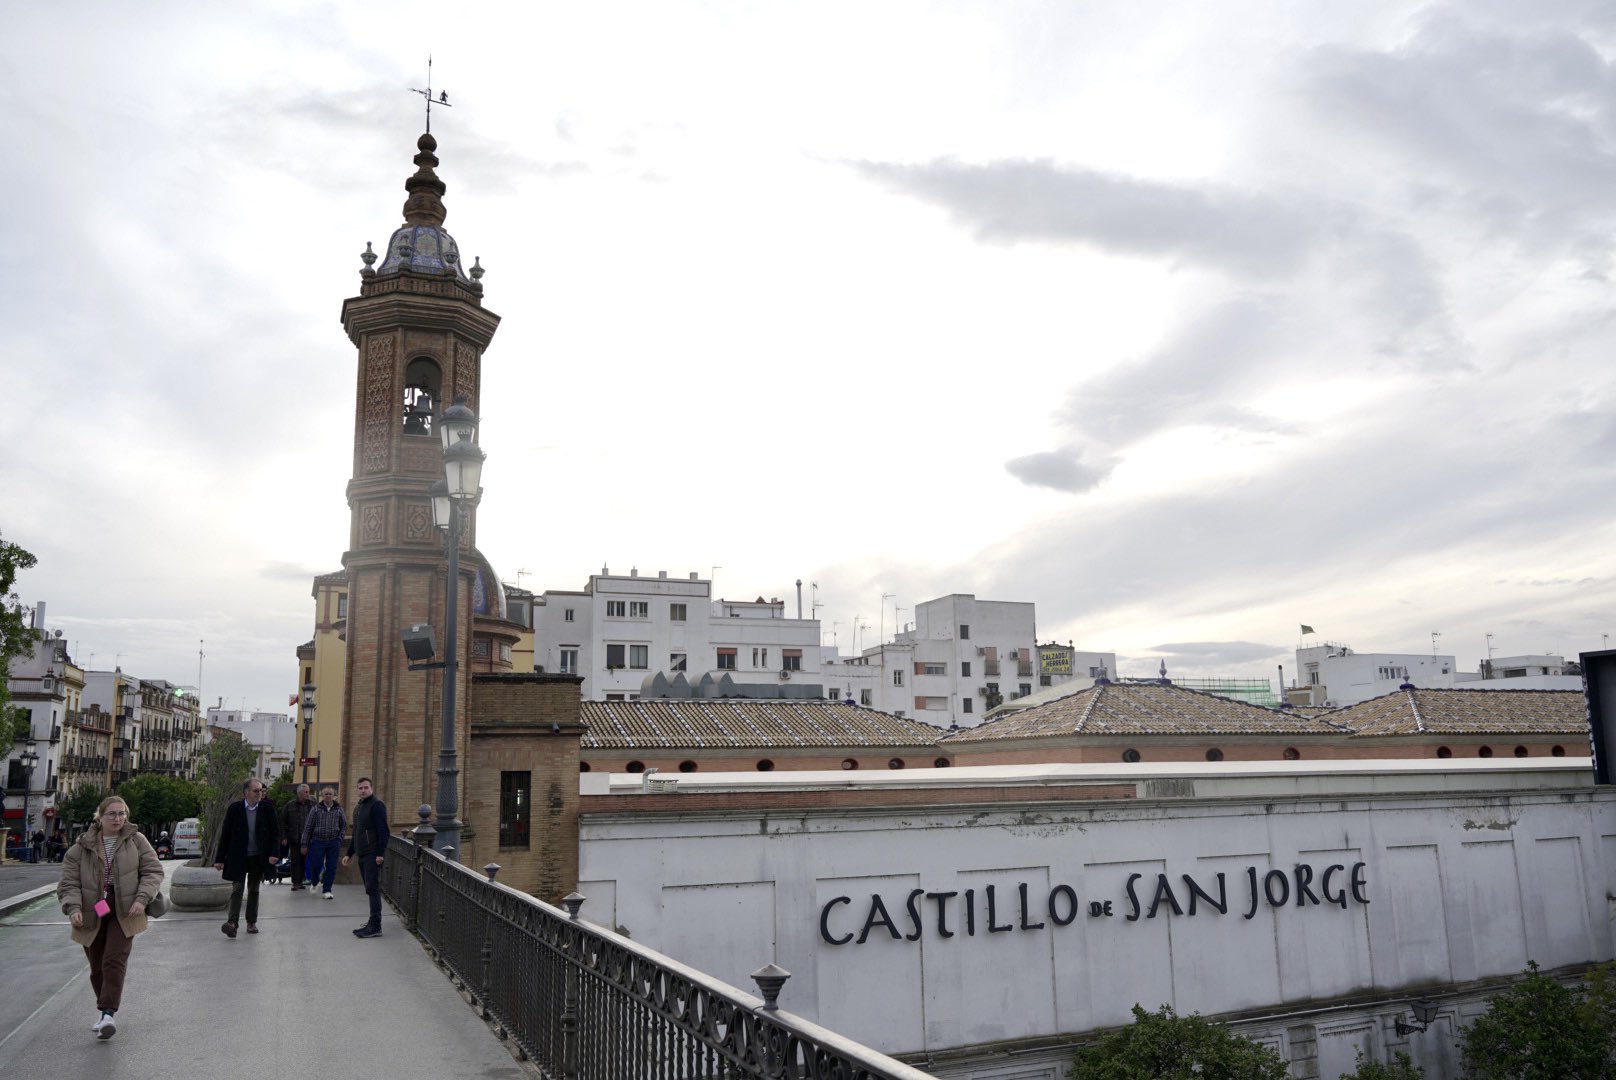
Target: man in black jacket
<point x="248" y="839"/>
<point x="294" y="815"/>
<point x="369" y="842"/>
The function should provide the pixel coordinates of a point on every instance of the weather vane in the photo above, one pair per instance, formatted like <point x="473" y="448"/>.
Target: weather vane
<point x="443" y="95"/>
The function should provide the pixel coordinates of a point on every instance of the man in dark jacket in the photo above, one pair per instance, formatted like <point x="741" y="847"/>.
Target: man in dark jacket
<point x="369" y="842"/>
<point x="294" y="815"/>
<point x="248" y="839"/>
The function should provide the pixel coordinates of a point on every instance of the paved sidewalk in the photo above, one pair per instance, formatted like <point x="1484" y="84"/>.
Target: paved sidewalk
<point x="304" y="995"/>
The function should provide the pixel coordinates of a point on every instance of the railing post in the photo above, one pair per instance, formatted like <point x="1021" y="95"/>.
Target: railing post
<point x="569" y="988"/>
<point x="423" y="835"/>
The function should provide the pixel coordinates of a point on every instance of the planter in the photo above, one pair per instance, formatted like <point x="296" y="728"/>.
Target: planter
<point x="197" y="886"/>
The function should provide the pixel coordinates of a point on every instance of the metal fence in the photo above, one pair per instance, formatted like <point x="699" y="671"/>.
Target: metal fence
<point x="584" y="1003"/>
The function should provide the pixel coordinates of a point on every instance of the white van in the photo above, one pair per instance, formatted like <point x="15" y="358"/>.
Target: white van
<point x="188" y="839"/>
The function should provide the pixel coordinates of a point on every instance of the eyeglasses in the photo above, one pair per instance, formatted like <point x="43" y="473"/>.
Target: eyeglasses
<point x="114" y="813"/>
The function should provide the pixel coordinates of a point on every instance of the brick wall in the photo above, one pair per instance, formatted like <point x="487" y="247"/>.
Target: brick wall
<point x="525" y="723"/>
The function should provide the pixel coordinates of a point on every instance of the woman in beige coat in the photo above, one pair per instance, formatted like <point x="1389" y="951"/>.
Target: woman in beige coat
<point x="109" y="875"/>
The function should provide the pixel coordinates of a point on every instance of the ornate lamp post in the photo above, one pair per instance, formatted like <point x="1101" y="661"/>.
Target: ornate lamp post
<point x="307" y="706"/>
<point x="30" y="760"/>
<point x="451" y="502"/>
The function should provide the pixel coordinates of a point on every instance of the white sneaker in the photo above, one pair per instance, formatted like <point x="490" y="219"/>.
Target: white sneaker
<point x="328" y="895"/>
<point x="105" y="1028"/>
<point x="100" y="1019"/>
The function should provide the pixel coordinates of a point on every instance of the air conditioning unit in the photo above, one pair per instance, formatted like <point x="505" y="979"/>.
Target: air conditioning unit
<point x="785" y="673"/>
<point x="981" y="651"/>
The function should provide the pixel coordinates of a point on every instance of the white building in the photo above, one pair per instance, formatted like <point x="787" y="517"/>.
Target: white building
<point x="273" y="735"/>
<point x="1336" y="674"/>
<point x="1306" y="902"/>
<point x="40" y="689"/>
<point x="619" y="630"/>
<point x="959" y="658"/>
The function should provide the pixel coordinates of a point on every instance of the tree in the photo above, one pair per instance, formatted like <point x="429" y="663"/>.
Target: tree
<point x="225" y="763"/>
<point x="80" y="807"/>
<point x="1541" y="1028"/>
<point x="157" y="802"/>
<point x="1165" y="1046"/>
<point x="283" y="790"/>
<point x="17" y="638"/>
<point x="1402" y="1067"/>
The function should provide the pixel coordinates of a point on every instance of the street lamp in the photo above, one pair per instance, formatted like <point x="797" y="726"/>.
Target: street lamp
<point x="308" y="721"/>
<point x="29" y="759"/>
<point x="451" y="498"/>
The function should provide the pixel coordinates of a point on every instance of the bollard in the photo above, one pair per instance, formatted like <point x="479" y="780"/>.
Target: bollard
<point x="770" y="978"/>
<point x="491" y="870"/>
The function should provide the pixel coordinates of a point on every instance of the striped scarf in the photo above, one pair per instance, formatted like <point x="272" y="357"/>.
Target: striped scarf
<point x="109" y="844"/>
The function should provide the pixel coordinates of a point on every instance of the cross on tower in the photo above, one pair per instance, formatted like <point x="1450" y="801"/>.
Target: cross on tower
<point x="443" y="95"/>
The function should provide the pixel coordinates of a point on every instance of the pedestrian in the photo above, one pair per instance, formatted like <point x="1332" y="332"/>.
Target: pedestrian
<point x="294" y="815"/>
<point x="39" y="845"/>
<point x="369" y="842"/>
<point x="322" y="839"/>
<point x="108" y="877"/>
<point x="246" y="845"/>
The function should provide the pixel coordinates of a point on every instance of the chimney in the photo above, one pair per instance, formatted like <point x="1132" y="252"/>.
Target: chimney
<point x="39" y="615"/>
<point x="663" y="574"/>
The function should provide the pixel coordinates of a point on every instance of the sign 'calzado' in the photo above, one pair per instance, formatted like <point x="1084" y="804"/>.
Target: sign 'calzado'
<point x="950" y="912"/>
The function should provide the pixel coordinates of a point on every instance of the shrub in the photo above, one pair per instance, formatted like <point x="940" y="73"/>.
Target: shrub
<point x="1401" y="1068"/>
<point x="1165" y="1046"/>
<point x="1540" y="1029"/>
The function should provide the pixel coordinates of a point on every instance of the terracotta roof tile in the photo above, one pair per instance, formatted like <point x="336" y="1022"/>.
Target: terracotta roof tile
<point x="746" y="723"/>
<point x="1144" y="709"/>
<point x="1467" y="712"/>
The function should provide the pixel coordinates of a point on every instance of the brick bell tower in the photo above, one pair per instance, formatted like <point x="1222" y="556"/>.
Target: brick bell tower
<point x="420" y="327"/>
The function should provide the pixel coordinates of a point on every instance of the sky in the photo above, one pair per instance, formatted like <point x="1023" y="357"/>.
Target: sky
<point x="1190" y="323"/>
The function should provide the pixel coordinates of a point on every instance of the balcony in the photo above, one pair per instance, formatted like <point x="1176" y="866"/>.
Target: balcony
<point x="1024" y="668"/>
<point x="56" y="734"/>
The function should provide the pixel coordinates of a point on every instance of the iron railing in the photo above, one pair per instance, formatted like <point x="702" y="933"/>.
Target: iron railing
<point x="584" y="1003"/>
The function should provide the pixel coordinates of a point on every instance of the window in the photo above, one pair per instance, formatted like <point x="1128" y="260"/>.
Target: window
<point x="676" y="613"/>
<point x="1521" y="751"/>
<point x="687" y="766"/>
<point x="866" y="697"/>
<point x="616" y="609"/>
<point x="676" y="661"/>
<point x="1393" y="672"/>
<point x="568" y="616"/>
<point x="1044" y="680"/>
<point x="726" y="659"/>
<point x="515" y="808"/>
<point x="934" y="669"/>
<point x="897" y="676"/>
<point x="790" y="659"/>
<point x="932" y="704"/>
<point x="1130" y="755"/>
<point x="850" y="763"/>
<point x="569" y="660"/>
<point x="342" y="607"/>
<point x="634" y="766"/>
<point x="834" y="694"/>
<point x="1444" y="752"/>
<point x="614" y="656"/>
<point x="1485" y="751"/>
<point x="639" y="609"/>
<point x="639" y="657"/>
<point x="966" y="705"/>
<point x="965" y="631"/>
<point x="895" y="763"/>
<point x="614" y="697"/>
<point x="1292" y="754"/>
<point x="421" y="381"/>
<point x="965" y="669"/>
<point x="1025" y="689"/>
<point x="1214" y="754"/>
<point x="765" y="765"/>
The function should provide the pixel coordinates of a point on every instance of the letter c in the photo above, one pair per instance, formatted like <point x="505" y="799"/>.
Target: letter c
<point x="824" y="922"/>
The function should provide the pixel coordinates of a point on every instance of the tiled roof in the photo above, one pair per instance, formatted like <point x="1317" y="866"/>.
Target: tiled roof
<point x="1468" y="712"/>
<point x="1143" y="709"/>
<point x="726" y="723"/>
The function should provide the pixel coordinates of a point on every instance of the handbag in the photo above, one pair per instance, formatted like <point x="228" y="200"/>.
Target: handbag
<point x="158" y="906"/>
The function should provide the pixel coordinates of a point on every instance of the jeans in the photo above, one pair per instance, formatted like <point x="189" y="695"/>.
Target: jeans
<point x="323" y="862"/>
<point x="371" y="872"/>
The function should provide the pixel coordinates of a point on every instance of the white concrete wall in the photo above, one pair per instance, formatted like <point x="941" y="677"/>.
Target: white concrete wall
<point x="1348" y="676"/>
<point x="1460" y="887"/>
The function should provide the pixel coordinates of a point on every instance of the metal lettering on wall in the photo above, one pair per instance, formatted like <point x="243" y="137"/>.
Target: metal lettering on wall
<point x="989" y="911"/>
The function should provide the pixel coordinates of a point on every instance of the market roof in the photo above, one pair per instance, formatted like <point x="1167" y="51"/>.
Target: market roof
<point x="1468" y="712"/>
<point x="706" y="723"/>
<point x="1155" y="708"/>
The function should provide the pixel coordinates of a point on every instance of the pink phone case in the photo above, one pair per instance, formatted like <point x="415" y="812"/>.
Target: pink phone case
<point x="102" y="908"/>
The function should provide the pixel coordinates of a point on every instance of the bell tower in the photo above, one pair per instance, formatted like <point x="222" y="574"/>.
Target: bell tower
<point x="420" y="329"/>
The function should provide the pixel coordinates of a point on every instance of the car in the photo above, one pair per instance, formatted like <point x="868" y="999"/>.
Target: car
<point x="187" y="843"/>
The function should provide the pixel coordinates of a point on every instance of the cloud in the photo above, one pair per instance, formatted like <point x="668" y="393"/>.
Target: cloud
<point x="1061" y="470"/>
<point x="1041" y="201"/>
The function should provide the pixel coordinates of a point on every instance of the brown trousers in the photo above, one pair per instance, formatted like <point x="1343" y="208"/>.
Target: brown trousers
<point x="109" y="962"/>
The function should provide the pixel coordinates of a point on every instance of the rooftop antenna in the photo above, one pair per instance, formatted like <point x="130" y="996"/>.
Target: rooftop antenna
<point x="1489" y="645"/>
<point x="835" y="626"/>
<point x="884" y="598"/>
<point x="199" y="655"/>
<point x="520" y="574"/>
<point x="816" y="605"/>
<point x="443" y="96"/>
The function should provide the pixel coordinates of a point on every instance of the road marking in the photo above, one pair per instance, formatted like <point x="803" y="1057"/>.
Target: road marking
<point x="47" y="1001"/>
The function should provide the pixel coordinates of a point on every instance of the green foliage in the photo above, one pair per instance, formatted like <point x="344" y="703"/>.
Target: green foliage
<point x="225" y="763"/>
<point x="1165" y="1046"/>
<point x="1540" y="1029"/>
<point x="80" y="807"/>
<point x="283" y="790"/>
<point x="17" y="638"/>
<point x="157" y="802"/>
<point x="1401" y="1068"/>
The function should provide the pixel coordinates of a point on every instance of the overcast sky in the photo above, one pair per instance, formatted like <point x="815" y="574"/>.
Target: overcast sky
<point x="1188" y="322"/>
